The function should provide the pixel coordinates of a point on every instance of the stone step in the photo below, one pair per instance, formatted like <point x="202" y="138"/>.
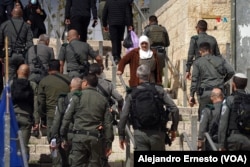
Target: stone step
<point x="39" y="148"/>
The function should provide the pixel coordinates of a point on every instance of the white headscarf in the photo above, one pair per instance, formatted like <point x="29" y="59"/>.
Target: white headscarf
<point x="145" y="54"/>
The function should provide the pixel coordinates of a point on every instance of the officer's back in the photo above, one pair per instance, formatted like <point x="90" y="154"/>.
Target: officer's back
<point x="106" y="87"/>
<point x="195" y="41"/>
<point x="231" y="135"/>
<point x="20" y="38"/>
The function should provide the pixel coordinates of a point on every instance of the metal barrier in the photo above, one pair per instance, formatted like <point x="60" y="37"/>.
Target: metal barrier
<point x="210" y="141"/>
<point x="192" y="144"/>
<point x="129" y="135"/>
<point x="184" y="137"/>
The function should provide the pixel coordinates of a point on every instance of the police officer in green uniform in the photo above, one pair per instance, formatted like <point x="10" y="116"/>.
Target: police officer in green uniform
<point x="49" y="88"/>
<point x="23" y="101"/>
<point x="38" y="58"/>
<point x="209" y="115"/>
<point x="20" y="38"/>
<point x="106" y="88"/>
<point x="195" y="41"/>
<point x="63" y="100"/>
<point x="92" y="122"/>
<point x="76" y="54"/>
<point x="159" y="38"/>
<point x="209" y="71"/>
<point x="229" y="136"/>
<point x="149" y="139"/>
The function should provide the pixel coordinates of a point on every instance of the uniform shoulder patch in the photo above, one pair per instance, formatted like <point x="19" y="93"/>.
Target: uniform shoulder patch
<point x="210" y="106"/>
<point x="195" y="37"/>
<point x="62" y="95"/>
<point x="64" y="44"/>
<point x="77" y="93"/>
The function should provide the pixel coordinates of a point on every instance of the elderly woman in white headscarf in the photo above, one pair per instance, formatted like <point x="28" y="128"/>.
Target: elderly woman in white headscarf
<point x="138" y="56"/>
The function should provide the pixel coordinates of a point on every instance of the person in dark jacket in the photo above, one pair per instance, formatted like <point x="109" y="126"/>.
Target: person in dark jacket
<point x="116" y="15"/>
<point x="23" y="100"/>
<point x="35" y="16"/>
<point x="6" y="7"/>
<point x="78" y="15"/>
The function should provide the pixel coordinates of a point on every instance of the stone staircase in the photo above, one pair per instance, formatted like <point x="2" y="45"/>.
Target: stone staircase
<point x="40" y="152"/>
<point x="39" y="148"/>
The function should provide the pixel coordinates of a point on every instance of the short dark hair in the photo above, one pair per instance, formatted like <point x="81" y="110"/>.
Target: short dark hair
<point x="92" y="80"/>
<point x="143" y="72"/>
<point x="240" y="83"/>
<point x="153" y="18"/>
<point x="95" y="68"/>
<point x="205" y="46"/>
<point x="202" y="25"/>
<point x="54" y="65"/>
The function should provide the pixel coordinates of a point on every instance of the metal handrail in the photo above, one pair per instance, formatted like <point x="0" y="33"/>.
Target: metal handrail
<point x="47" y="10"/>
<point x="127" y="127"/>
<point x="130" y="136"/>
<point x="210" y="141"/>
<point x="139" y="10"/>
<point x="189" y="143"/>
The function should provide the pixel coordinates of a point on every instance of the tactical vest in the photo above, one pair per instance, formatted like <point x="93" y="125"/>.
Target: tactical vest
<point x="157" y="35"/>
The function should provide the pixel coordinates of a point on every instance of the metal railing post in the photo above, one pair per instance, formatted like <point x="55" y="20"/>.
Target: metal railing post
<point x="166" y="69"/>
<point x="184" y="84"/>
<point x="210" y="141"/>
<point x="114" y="69"/>
<point x="194" y="131"/>
<point x="248" y="83"/>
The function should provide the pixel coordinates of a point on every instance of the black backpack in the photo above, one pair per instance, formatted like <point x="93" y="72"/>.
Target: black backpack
<point x="241" y="106"/>
<point x="21" y="91"/>
<point x="147" y="107"/>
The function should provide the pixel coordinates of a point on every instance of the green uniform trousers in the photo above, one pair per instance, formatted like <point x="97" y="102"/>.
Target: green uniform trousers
<point x="86" y="151"/>
<point x="25" y="125"/>
<point x="149" y="140"/>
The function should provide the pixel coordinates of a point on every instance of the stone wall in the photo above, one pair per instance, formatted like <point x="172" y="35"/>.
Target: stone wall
<point x="180" y="18"/>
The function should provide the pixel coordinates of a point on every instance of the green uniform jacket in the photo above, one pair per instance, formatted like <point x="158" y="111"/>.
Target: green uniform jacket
<point x="25" y="37"/>
<point x="111" y="91"/>
<point x="195" y="41"/>
<point x="62" y="104"/>
<point x="82" y="48"/>
<point x="225" y="114"/>
<point x="48" y="92"/>
<point x="91" y="112"/>
<point x="211" y="71"/>
<point x="207" y="116"/>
